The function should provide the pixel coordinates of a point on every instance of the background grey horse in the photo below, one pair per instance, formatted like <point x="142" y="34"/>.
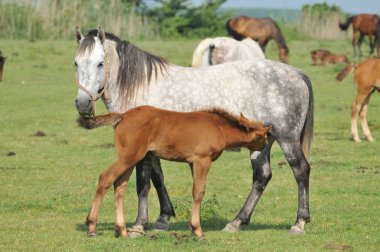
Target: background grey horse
<point x="125" y="76"/>
<point x="212" y="51"/>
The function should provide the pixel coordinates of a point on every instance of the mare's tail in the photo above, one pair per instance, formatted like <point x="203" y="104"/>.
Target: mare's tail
<point x="344" y="26"/>
<point x="98" y="121"/>
<point x="377" y="36"/>
<point x="308" y="127"/>
<point x="348" y="69"/>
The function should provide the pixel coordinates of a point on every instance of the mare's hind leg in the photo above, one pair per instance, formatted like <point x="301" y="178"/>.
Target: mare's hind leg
<point x="261" y="175"/>
<point x="301" y="171"/>
<point x="150" y="168"/>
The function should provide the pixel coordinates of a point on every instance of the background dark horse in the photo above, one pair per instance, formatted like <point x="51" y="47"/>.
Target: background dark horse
<point x="2" y="62"/>
<point x="260" y="29"/>
<point x="364" y="24"/>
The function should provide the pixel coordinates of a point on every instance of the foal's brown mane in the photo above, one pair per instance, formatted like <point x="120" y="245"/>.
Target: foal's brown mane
<point x="241" y="122"/>
<point x="137" y="67"/>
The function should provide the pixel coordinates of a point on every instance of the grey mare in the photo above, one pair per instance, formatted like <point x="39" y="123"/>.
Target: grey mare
<point x="125" y="76"/>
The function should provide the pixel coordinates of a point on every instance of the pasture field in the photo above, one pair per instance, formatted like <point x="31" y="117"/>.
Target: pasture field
<point x="47" y="182"/>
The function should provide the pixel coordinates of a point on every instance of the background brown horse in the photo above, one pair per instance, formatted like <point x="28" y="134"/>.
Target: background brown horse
<point x="367" y="80"/>
<point x="2" y="62"/>
<point x="260" y="29"/>
<point x="324" y="57"/>
<point x="364" y="24"/>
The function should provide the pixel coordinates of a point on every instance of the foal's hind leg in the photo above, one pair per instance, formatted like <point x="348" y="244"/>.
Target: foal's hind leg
<point x="261" y="176"/>
<point x="106" y="179"/>
<point x="119" y="187"/>
<point x="301" y="171"/>
<point x="150" y="168"/>
<point x="356" y="108"/>
<point x="200" y="170"/>
<point x="363" y="117"/>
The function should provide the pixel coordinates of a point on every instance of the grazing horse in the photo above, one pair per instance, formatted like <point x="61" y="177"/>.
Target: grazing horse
<point x="364" y="24"/>
<point x="124" y="77"/>
<point x="2" y="62"/>
<point x="260" y="29"/>
<point x="367" y="80"/>
<point x="212" y="51"/>
<point x="325" y="57"/>
<point x="197" y="138"/>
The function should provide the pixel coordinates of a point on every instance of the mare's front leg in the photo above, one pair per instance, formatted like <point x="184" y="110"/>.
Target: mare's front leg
<point x="261" y="176"/>
<point x="200" y="169"/>
<point x="150" y="168"/>
<point x="106" y="179"/>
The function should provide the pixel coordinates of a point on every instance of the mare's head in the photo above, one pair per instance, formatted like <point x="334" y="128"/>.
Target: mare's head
<point x="90" y="66"/>
<point x="2" y="62"/>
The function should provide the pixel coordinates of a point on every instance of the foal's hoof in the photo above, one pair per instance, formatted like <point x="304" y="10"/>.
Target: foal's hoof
<point x="161" y="226"/>
<point x="91" y="234"/>
<point x="232" y="227"/>
<point x="136" y="231"/>
<point x="295" y="230"/>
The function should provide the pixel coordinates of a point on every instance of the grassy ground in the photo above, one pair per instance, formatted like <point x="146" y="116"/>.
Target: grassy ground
<point x="47" y="182"/>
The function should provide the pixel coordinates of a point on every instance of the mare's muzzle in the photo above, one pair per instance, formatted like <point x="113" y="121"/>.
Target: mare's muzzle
<point x="84" y="106"/>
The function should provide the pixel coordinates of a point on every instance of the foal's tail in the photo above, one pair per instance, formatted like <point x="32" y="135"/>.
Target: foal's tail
<point x="98" y="121"/>
<point x="344" y="26"/>
<point x="348" y="69"/>
<point x="307" y="131"/>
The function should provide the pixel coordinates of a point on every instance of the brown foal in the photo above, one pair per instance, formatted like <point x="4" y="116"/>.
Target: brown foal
<point x="367" y="80"/>
<point x="197" y="138"/>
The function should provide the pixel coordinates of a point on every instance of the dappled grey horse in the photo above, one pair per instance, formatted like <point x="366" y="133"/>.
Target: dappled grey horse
<point x="125" y="76"/>
<point x="213" y="51"/>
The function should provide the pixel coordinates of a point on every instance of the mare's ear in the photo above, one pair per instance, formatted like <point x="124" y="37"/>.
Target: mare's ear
<point x="78" y="35"/>
<point x="101" y="35"/>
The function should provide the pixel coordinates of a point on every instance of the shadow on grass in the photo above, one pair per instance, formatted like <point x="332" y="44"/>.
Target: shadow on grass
<point x="210" y="224"/>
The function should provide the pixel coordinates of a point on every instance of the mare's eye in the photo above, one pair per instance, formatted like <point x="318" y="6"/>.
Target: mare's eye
<point x="75" y="64"/>
<point x="100" y="64"/>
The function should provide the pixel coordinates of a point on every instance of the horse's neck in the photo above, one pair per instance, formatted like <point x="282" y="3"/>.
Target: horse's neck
<point x="235" y="137"/>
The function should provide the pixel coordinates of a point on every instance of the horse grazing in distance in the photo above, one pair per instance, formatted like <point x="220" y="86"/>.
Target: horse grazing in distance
<point x="2" y="62"/>
<point x="124" y="76"/>
<point x="367" y="80"/>
<point x="213" y="51"/>
<point x="260" y="29"/>
<point x="197" y="138"/>
<point x="364" y="24"/>
<point x="325" y="57"/>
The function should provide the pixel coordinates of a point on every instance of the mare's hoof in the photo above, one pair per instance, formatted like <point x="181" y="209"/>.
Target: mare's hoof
<point x="160" y="226"/>
<point x="232" y="227"/>
<point x="295" y="230"/>
<point x="136" y="231"/>
<point x="91" y="234"/>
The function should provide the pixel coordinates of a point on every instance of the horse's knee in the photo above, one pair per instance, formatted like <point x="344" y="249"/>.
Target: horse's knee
<point x="262" y="173"/>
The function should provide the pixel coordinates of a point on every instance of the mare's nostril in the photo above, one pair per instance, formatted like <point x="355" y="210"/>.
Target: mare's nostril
<point x="89" y="101"/>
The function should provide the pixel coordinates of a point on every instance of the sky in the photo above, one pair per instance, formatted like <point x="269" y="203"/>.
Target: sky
<point x="350" y="6"/>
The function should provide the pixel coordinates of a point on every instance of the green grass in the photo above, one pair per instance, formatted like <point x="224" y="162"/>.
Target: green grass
<point x="47" y="186"/>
